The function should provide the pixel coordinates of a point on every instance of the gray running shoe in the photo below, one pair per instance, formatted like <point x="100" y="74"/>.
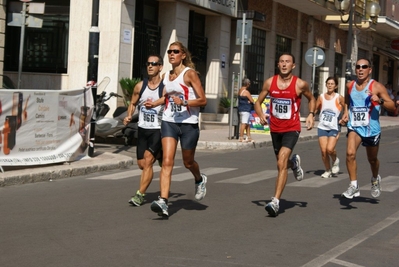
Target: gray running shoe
<point x="376" y="187"/>
<point x="351" y="192"/>
<point x="272" y="208"/>
<point x="335" y="167"/>
<point x="200" y="189"/>
<point x="298" y="172"/>
<point x="159" y="206"/>
<point x="137" y="199"/>
<point x="326" y="174"/>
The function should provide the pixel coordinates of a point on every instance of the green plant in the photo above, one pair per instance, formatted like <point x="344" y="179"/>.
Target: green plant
<point x="127" y="85"/>
<point x="225" y="102"/>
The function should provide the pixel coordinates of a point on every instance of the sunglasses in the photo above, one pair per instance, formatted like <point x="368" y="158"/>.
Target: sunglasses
<point x="362" y="67"/>
<point x="153" y="64"/>
<point x="175" y="51"/>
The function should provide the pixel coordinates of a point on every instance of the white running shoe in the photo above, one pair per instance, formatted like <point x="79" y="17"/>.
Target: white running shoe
<point x="326" y="174"/>
<point x="351" y="192"/>
<point x="200" y="189"/>
<point x="376" y="187"/>
<point x="298" y="172"/>
<point x="335" y="167"/>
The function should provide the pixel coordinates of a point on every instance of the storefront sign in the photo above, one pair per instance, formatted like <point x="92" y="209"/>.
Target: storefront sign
<point x="227" y="7"/>
<point x="395" y="45"/>
<point x="44" y="126"/>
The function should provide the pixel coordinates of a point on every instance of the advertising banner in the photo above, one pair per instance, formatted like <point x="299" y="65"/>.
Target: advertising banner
<point x="255" y="125"/>
<point x="44" y="126"/>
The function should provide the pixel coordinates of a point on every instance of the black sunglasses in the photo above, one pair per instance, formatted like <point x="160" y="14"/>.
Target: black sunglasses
<point x="153" y="64"/>
<point x="175" y="51"/>
<point x="362" y="67"/>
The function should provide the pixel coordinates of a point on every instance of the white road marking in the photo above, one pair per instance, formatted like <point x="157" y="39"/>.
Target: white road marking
<point x="388" y="184"/>
<point x="316" y="181"/>
<point x="251" y="178"/>
<point x="208" y="171"/>
<point x="332" y="254"/>
<point x="345" y="263"/>
<point x="125" y="174"/>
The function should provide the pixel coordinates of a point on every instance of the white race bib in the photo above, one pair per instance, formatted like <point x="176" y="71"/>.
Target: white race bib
<point x="281" y="108"/>
<point x="360" y="116"/>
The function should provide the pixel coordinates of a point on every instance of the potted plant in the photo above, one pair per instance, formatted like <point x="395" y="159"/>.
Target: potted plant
<point x="224" y="104"/>
<point x="127" y="85"/>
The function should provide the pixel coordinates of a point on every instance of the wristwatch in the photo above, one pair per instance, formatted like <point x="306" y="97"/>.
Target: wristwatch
<point x="185" y="103"/>
<point x="381" y="101"/>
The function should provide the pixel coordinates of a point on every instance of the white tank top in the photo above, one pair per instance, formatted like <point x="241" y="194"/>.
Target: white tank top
<point x="149" y="118"/>
<point x="329" y="113"/>
<point x="179" y="113"/>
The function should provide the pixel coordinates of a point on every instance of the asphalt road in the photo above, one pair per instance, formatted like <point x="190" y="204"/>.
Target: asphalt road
<point x="86" y="221"/>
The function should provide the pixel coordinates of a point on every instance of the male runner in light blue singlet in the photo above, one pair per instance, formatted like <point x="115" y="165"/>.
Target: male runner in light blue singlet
<point x="364" y="98"/>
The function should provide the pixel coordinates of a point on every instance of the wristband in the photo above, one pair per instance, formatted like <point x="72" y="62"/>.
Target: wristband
<point x="311" y="113"/>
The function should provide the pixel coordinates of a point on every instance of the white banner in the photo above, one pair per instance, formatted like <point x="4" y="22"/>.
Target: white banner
<point x="44" y="126"/>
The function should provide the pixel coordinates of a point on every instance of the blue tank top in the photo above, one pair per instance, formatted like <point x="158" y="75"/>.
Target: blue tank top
<point x="364" y="114"/>
<point x="243" y="104"/>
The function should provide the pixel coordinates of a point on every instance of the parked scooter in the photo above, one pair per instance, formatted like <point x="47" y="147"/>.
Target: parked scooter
<point x="114" y="127"/>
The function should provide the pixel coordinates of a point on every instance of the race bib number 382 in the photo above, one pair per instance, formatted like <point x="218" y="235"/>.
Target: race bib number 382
<point x="360" y="116"/>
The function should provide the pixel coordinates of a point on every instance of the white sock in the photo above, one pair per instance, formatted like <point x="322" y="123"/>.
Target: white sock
<point x="276" y="200"/>
<point x="354" y="183"/>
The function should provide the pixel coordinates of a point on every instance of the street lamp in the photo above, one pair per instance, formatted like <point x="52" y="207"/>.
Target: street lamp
<point x="360" y="13"/>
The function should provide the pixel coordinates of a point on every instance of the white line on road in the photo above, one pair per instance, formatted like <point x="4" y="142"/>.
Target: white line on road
<point x="316" y="181"/>
<point x="351" y="243"/>
<point x="208" y="171"/>
<point x="251" y="178"/>
<point x="125" y="174"/>
<point x="388" y="184"/>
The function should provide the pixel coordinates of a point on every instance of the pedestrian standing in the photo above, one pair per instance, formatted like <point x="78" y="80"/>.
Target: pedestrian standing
<point x="149" y="135"/>
<point x="331" y="105"/>
<point x="285" y="91"/>
<point x="245" y="104"/>
<point x="184" y="96"/>
<point x="364" y="98"/>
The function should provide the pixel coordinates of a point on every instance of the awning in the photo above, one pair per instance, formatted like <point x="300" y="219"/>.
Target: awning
<point x="388" y="54"/>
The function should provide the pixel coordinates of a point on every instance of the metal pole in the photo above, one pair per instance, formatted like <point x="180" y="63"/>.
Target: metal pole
<point x="92" y="72"/>
<point x="231" y="106"/>
<point x="244" y="15"/>
<point x="348" y="69"/>
<point x="314" y="69"/>
<point x="21" y="45"/>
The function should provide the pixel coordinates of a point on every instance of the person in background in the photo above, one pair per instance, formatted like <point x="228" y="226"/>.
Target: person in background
<point x="330" y="105"/>
<point x="364" y="98"/>
<point x="149" y="135"/>
<point x="245" y="103"/>
<point x="285" y="92"/>
<point x="184" y="96"/>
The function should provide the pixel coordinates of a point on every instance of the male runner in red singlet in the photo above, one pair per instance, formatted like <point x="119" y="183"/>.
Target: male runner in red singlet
<point x="285" y="91"/>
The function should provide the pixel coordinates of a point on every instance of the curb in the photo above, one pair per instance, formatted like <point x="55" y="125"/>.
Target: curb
<point x="100" y="162"/>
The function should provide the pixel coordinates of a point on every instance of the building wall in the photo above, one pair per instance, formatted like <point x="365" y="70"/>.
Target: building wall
<point x="2" y="37"/>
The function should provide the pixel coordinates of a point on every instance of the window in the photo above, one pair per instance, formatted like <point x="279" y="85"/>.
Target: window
<point x="283" y="45"/>
<point x="338" y="63"/>
<point x="46" y="48"/>
<point x="255" y="60"/>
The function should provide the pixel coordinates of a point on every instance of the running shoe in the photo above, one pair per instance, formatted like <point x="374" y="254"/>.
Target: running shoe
<point x="335" y="167"/>
<point x="159" y="206"/>
<point x="298" y="172"/>
<point x="137" y="199"/>
<point x="351" y="192"/>
<point x="376" y="187"/>
<point x="326" y="174"/>
<point x="272" y="208"/>
<point x="200" y="188"/>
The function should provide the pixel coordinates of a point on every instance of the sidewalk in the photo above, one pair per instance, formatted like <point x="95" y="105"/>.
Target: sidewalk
<point x="104" y="161"/>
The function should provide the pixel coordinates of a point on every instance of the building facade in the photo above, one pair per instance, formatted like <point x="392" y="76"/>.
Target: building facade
<point x="56" y="56"/>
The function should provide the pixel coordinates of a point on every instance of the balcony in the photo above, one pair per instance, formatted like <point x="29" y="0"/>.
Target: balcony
<point x="311" y="7"/>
